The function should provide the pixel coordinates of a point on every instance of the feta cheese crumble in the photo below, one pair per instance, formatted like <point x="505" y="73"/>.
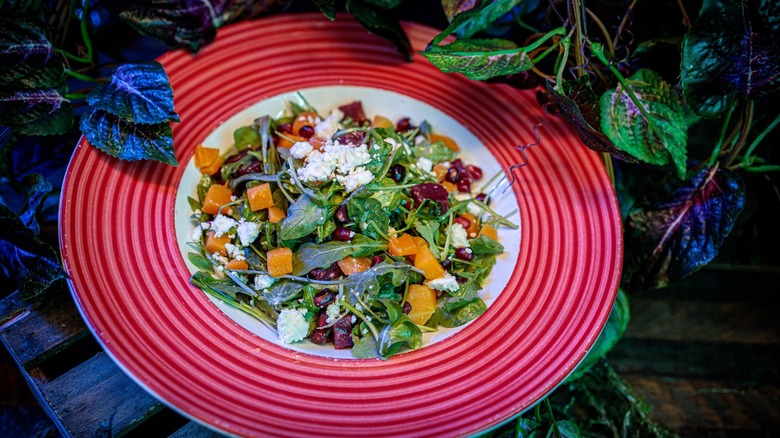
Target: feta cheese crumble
<point x="333" y="311"/>
<point x="291" y="325"/>
<point x="448" y="283"/>
<point x="263" y="281"/>
<point x="342" y="162"/>
<point x="425" y="164"/>
<point x="326" y="128"/>
<point x="301" y="149"/>
<point x="458" y="236"/>
<point x="222" y="225"/>
<point x="247" y="232"/>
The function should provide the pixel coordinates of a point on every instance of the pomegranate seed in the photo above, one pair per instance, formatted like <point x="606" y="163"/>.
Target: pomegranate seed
<point x="306" y="131"/>
<point x="464" y="254"/>
<point x="481" y="197"/>
<point x="453" y="174"/>
<point x="403" y="125"/>
<point x="463" y="221"/>
<point x="474" y="171"/>
<point x="464" y="185"/>
<point x="446" y="264"/>
<point x="343" y="234"/>
<point x="323" y="298"/>
<point x="460" y="279"/>
<point x="397" y="173"/>
<point x="330" y="273"/>
<point x="407" y="307"/>
<point x="341" y="214"/>
<point x="376" y="260"/>
<point x="286" y="128"/>
<point x="458" y="164"/>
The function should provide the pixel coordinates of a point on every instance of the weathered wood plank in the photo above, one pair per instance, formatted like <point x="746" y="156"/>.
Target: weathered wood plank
<point x="696" y="408"/>
<point x="97" y="397"/>
<point x="195" y="430"/>
<point x="41" y="328"/>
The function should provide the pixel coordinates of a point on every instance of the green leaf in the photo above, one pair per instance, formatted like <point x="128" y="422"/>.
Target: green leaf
<point x="327" y="7"/>
<point x="310" y="256"/>
<point x="369" y="215"/>
<point x="138" y="92"/>
<point x="35" y="111"/>
<point x="302" y="219"/>
<point x="126" y="140"/>
<point x="282" y="291"/>
<point x="456" y="311"/>
<point x="217" y="286"/>
<point x="427" y="230"/>
<point x="381" y="22"/>
<point x="367" y="282"/>
<point x="402" y="332"/>
<point x="199" y="261"/>
<point x="485" y="245"/>
<point x="480" y="59"/>
<point x="387" y="4"/>
<point x="454" y="7"/>
<point x="733" y="49"/>
<point x="436" y="151"/>
<point x="365" y="348"/>
<point x="27" y="56"/>
<point x="36" y="189"/>
<point x="476" y="19"/>
<point x="654" y="133"/>
<point x="246" y="136"/>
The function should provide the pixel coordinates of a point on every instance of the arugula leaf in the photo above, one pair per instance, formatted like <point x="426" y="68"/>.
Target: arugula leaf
<point x="247" y="137"/>
<point x="223" y="286"/>
<point x="310" y="256"/>
<point x="302" y="219"/>
<point x="126" y="140"/>
<point x="679" y="227"/>
<point x="368" y="213"/>
<point x="381" y="22"/>
<point x="199" y="261"/>
<point x="27" y="56"/>
<point x="367" y="282"/>
<point x="485" y="245"/>
<point x="34" y="264"/>
<point x="733" y="49"/>
<point x="36" y="111"/>
<point x="402" y="332"/>
<point x="458" y="310"/>
<point x="281" y="291"/>
<point x="427" y="230"/>
<point x="655" y="133"/>
<point x="480" y="59"/>
<point x="436" y="152"/>
<point x="138" y="92"/>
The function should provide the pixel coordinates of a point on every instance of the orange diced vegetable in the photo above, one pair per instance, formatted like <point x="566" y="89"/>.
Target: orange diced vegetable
<point x="275" y="214"/>
<point x="450" y="143"/>
<point x="317" y="143"/>
<point x="350" y="265"/>
<point x="440" y="170"/>
<point x="381" y="122"/>
<point x="308" y="118"/>
<point x="237" y="265"/>
<point x="423" y="302"/>
<point x="205" y="156"/>
<point x="489" y="231"/>
<point x="217" y="196"/>
<point x="260" y="197"/>
<point x="451" y="187"/>
<point x="288" y="141"/>
<point x="216" y="244"/>
<point x="425" y="261"/>
<point x="212" y="168"/>
<point x="402" y="245"/>
<point x="473" y="227"/>
<point x="279" y="262"/>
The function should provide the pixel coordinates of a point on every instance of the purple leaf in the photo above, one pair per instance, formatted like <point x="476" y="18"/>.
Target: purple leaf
<point x="35" y="112"/>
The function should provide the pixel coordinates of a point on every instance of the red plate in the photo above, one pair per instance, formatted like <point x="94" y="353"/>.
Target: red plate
<point x="132" y="286"/>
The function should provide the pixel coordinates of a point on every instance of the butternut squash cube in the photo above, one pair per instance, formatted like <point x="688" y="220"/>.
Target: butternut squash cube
<point x="275" y="214"/>
<point x="473" y="227"/>
<point x="351" y="265"/>
<point x="216" y="244"/>
<point x="260" y="197"/>
<point x="205" y="156"/>
<point x="402" y="245"/>
<point x="425" y="261"/>
<point x="451" y="187"/>
<point x="450" y="143"/>
<point x="238" y="265"/>
<point x="288" y="141"/>
<point x="423" y="302"/>
<point x="279" y="262"/>
<point x="489" y="231"/>
<point x="308" y="118"/>
<point x="217" y="196"/>
<point x="381" y="122"/>
<point x="440" y="170"/>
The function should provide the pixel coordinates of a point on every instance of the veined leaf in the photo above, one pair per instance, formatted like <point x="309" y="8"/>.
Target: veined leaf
<point x="36" y="111"/>
<point x="381" y="22"/>
<point x="480" y="59"/>
<point x="454" y="7"/>
<point x="733" y="49"/>
<point x="654" y="133"/>
<point x="36" y="189"/>
<point x="27" y="56"/>
<point x="126" y="140"/>
<point x="138" y="92"/>
<point x="310" y="256"/>
<point x="327" y="7"/>
<point x="302" y="219"/>
<point x="475" y="19"/>
<point x="679" y="228"/>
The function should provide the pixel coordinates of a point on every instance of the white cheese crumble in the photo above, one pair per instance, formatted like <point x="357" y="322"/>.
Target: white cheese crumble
<point x="425" y="164"/>
<point x="247" y="232"/>
<point x="458" y="236"/>
<point x="301" y="149"/>
<point x="333" y="311"/>
<point x="342" y="162"/>
<point x="475" y="209"/>
<point x="222" y="225"/>
<point x="235" y="251"/>
<point x="448" y="283"/>
<point x="197" y="233"/>
<point x="263" y="281"/>
<point x="291" y="325"/>
<point x="326" y="128"/>
<point x="359" y="177"/>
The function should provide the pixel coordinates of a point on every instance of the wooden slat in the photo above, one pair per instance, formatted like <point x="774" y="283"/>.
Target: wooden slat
<point x="97" y="397"/>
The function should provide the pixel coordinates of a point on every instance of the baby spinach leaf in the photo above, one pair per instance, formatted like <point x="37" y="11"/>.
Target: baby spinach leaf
<point x="456" y="311"/>
<point x="138" y="92"/>
<point x="679" y="227"/>
<point x="246" y="136"/>
<point x="369" y="215"/>
<point x="436" y="152"/>
<point x="367" y="282"/>
<point x="381" y="22"/>
<point x="402" y="332"/>
<point x="485" y="245"/>
<point x="199" y="261"/>
<point x="733" y="49"/>
<point x="36" y="111"/>
<point x="310" y="256"/>
<point x="302" y="219"/>
<point x="27" y="56"/>
<point x="480" y="59"/>
<point x="126" y="140"/>
<point x="656" y="133"/>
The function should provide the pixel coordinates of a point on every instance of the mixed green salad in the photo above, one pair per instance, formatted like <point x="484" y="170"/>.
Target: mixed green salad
<point x="336" y="228"/>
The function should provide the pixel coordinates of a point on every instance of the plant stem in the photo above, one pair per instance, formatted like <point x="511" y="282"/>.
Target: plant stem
<point x="623" y="23"/>
<point x="80" y="76"/>
<point x="603" y="29"/>
<point x="759" y="169"/>
<point x="719" y="145"/>
<point x="760" y="138"/>
<point x="75" y="96"/>
<point x="746" y="122"/>
<point x="686" y="20"/>
<point x="85" y="38"/>
<point x="566" y="42"/>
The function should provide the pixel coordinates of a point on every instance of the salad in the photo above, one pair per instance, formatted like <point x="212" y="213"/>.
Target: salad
<point x="344" y="230"/>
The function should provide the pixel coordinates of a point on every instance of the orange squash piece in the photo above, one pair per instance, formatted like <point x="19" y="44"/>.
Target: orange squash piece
<point x="317" y="143"/>
<point x="425" y="261"/>
<point x="450" y="143"/>
<point x="440" y="170"/>
<point x="351" y="265"/>
<point x="451" y="187"/>
<point x="402" y="245"/>
<point x="275" y="214"/>
<point x="381" y="122"/>
<point x="279" y="261"/>
<point x="217" y="196"/>
<point x="216" y="244"/>
<point x="260" y="197"/>
<point x="205" y="156"/>
<point x="423" y="302"/>
<point x="237" y="265"/>
<point x="306" y="118"/>
<point x="288" y="141"/>
<point x="473" y="227"/>
<point x="489" y="231"/>
<point x="212" y="168"/>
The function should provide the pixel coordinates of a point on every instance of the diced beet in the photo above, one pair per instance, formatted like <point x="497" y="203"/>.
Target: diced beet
<point x="354" y="137"/>
<point x="342" y="333"/>
<point x="377" y="259"/>
<point x="343" y="234"/>
<point x="321" y="335"/>
<point x="433" y="191"/>
<point x="403" y="125"/>
<point x="354" y="111"/>
<point x="236" y="157"/>
<point x="342" y="215"/>
<point x="324" y="298"/>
